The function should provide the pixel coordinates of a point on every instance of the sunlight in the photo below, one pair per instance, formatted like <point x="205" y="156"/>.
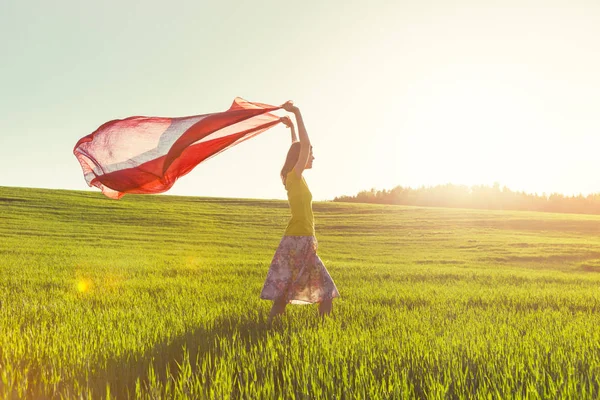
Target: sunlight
<point x="462" y="127"/>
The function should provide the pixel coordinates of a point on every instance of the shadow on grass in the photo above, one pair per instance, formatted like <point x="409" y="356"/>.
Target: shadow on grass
<point x="122" y="373"/>
<point x="589" y="267"/>
<point x="554" y="258"/>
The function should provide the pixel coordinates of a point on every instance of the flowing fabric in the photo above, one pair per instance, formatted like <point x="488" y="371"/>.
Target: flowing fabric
<point x="297" y="274"/>
<point x="148" y="154"/>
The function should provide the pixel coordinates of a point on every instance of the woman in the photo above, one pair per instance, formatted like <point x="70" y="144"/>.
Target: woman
<point x="297" y="274"/>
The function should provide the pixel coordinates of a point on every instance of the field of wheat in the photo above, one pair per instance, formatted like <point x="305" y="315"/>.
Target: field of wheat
<point x="158" y="297"/>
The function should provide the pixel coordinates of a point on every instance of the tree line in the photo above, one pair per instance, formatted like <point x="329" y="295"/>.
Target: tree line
<point x="481" y="196"/>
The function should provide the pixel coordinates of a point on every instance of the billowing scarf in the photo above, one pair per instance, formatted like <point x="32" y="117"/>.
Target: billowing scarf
<point x="148" y="154"/>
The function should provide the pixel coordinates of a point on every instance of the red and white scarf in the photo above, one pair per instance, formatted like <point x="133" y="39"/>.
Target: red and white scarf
<point x="148" y="154"/>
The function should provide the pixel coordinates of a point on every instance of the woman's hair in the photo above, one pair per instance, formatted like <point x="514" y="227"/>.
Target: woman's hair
<point x="290" y="160"/>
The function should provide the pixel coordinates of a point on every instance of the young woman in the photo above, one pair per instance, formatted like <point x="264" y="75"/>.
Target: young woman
<point x="297" y="274"/>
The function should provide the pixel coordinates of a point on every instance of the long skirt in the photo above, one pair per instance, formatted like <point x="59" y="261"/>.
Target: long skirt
<point x="297" y="274"/>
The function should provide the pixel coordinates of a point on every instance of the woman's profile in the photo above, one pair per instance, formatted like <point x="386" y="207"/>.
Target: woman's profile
<point x="297" y="274"/>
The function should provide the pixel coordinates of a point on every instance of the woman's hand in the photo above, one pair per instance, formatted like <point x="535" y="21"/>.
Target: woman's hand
<point x="287" y="121"/>
<point x="289" y="106"/>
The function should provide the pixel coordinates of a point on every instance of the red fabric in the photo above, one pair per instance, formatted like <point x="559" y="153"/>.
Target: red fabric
<point x="148" y="154"/>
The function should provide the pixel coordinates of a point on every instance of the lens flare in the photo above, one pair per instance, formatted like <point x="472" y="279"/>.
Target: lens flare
<point x="83" y="285"/>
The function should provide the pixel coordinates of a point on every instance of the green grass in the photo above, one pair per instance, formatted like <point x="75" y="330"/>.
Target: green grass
<point x="158" y="297"/>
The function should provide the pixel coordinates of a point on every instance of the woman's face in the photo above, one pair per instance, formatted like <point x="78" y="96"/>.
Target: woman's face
<point x="309" y="162"/>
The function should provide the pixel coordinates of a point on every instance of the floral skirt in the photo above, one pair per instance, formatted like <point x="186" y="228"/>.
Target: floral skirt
<point x="297" y="274"/>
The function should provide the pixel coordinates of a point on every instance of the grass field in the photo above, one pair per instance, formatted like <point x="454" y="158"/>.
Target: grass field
<point x="158" y="297"/>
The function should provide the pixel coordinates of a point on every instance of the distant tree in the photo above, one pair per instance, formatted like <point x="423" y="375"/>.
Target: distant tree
<point x="478" y="196"/>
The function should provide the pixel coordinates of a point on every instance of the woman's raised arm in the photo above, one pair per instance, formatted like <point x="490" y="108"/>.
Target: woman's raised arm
<point x="288" y="122"/>
<point x="304" y="140"/>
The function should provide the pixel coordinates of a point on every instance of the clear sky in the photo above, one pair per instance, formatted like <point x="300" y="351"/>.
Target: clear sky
<point x="393" y="92"/>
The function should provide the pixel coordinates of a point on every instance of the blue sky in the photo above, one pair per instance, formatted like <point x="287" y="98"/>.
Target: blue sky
<point x="409" y="93"/>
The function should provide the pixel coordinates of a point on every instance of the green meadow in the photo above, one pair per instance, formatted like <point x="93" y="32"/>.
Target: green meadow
<point x="157" y="297"/>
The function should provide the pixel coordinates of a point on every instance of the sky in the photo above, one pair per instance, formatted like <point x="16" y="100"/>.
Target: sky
<point x="393" y="93"/>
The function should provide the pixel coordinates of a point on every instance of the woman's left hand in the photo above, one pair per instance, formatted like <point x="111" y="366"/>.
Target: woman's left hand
<point x="286" y="121"/>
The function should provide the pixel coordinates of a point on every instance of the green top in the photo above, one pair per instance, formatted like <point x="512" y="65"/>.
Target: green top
<point x="302" y="222"/>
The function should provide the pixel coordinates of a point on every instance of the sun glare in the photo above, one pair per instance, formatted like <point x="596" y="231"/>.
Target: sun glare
<point x="468" y="129"/>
